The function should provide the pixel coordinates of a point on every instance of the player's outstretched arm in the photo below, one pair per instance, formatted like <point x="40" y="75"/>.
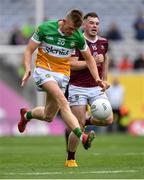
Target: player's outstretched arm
<point x="105" y="67"/>
<point x="91" y="63"/>
<point x="76" y="64"/>
<point x="31" y="47"/>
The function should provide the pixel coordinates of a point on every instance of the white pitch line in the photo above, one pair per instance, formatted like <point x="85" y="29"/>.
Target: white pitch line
<point x="121" y="154"/>
<point x="84" y="172"/>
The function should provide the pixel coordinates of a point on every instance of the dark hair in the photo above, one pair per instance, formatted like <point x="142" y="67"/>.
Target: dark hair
<point x="91" y="14"/>
<point x="76" y="16"/>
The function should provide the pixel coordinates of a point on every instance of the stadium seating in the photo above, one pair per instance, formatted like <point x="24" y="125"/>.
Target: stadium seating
<point x="15" y="12"/>
<point x="123" y="12"/>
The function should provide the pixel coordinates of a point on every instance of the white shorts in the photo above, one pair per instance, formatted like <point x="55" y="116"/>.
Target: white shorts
<point x="84" y="95"/>
<point x="42" y="76"/>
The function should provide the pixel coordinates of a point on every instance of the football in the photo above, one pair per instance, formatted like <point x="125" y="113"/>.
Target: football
<point x="101" y="109"/>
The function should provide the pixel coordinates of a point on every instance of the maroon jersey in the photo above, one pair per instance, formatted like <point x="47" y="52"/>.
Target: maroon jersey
<point x="83" y="78"/>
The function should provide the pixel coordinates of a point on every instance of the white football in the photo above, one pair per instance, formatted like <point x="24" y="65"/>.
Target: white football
<point x="101" y="109"/>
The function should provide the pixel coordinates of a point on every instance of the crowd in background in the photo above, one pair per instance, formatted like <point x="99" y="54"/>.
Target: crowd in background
<point x="20" y="36"/>
<point x="126" y="64"/>
<point x="113" y="33"/>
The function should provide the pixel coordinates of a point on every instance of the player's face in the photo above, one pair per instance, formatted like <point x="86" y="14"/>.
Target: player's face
<point x="68" y="27"/>
<point x="91" y="26"/>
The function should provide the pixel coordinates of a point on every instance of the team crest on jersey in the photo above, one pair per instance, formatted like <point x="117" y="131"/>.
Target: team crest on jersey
<point x="102" y="47"/>
<point x="72" y="44"/>
<point x="47" y="75"/>
<point x="94" y="47"/>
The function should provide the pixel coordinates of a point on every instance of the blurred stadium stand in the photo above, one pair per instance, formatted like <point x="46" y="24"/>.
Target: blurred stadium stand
<point x="128" y="46"/>
<point x="123" y="12"/>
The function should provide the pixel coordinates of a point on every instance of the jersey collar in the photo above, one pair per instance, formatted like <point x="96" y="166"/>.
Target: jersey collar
<point x="61" y="33"/>
<point x="92" y="41"/>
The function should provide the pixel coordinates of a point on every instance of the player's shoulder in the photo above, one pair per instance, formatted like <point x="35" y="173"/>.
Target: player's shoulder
<point x="102" y="39"/>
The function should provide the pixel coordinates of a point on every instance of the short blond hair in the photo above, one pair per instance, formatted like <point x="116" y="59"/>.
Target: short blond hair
<point x="76" y="16"/>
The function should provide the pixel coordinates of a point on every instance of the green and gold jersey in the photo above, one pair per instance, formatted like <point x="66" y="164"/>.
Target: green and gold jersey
<point x="55" y="48"/>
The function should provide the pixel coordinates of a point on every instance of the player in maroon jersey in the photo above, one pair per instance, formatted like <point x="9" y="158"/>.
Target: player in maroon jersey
<point x="82" y="88"/>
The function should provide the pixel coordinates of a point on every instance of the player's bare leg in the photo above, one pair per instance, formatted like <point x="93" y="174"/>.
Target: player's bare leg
<point x="79" y="112"/>
<point x="43" y="113"/>
<point x="70" y="120"/>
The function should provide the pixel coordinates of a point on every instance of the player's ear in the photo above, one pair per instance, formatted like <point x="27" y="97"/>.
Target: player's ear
<point x="83" y="24"/>
<point x="64" y="21"/>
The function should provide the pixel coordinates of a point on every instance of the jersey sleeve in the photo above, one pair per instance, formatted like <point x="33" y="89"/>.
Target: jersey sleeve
<point x="38" y="34"/>
<point x="106" y="46"/>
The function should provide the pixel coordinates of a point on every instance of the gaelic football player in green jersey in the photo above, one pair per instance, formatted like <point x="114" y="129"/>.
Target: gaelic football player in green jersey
<point x="55" y="41"/>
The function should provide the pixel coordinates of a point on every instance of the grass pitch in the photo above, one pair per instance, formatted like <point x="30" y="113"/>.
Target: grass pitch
<point x="112" y="156"/>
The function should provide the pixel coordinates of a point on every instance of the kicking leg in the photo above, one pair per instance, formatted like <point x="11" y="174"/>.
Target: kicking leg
<point x="46" y="113"/>
<point x="52" y="88"/>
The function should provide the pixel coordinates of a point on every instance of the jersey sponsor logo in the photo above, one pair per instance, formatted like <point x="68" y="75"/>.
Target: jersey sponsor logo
<point x="57" y="51"/>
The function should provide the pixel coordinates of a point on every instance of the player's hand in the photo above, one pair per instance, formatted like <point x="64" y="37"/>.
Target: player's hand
<point x="103" y="84"/>
<point x="26" y="76"/>
<point x="107" y="85"/>
<point x="99" y="58"/>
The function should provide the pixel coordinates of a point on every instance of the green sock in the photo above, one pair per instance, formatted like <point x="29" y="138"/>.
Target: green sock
<point x="77" y="132"/>
<point x="28" y="115"/>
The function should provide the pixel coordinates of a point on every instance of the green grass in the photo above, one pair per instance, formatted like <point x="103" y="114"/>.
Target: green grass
<point x="111" y="157"/>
